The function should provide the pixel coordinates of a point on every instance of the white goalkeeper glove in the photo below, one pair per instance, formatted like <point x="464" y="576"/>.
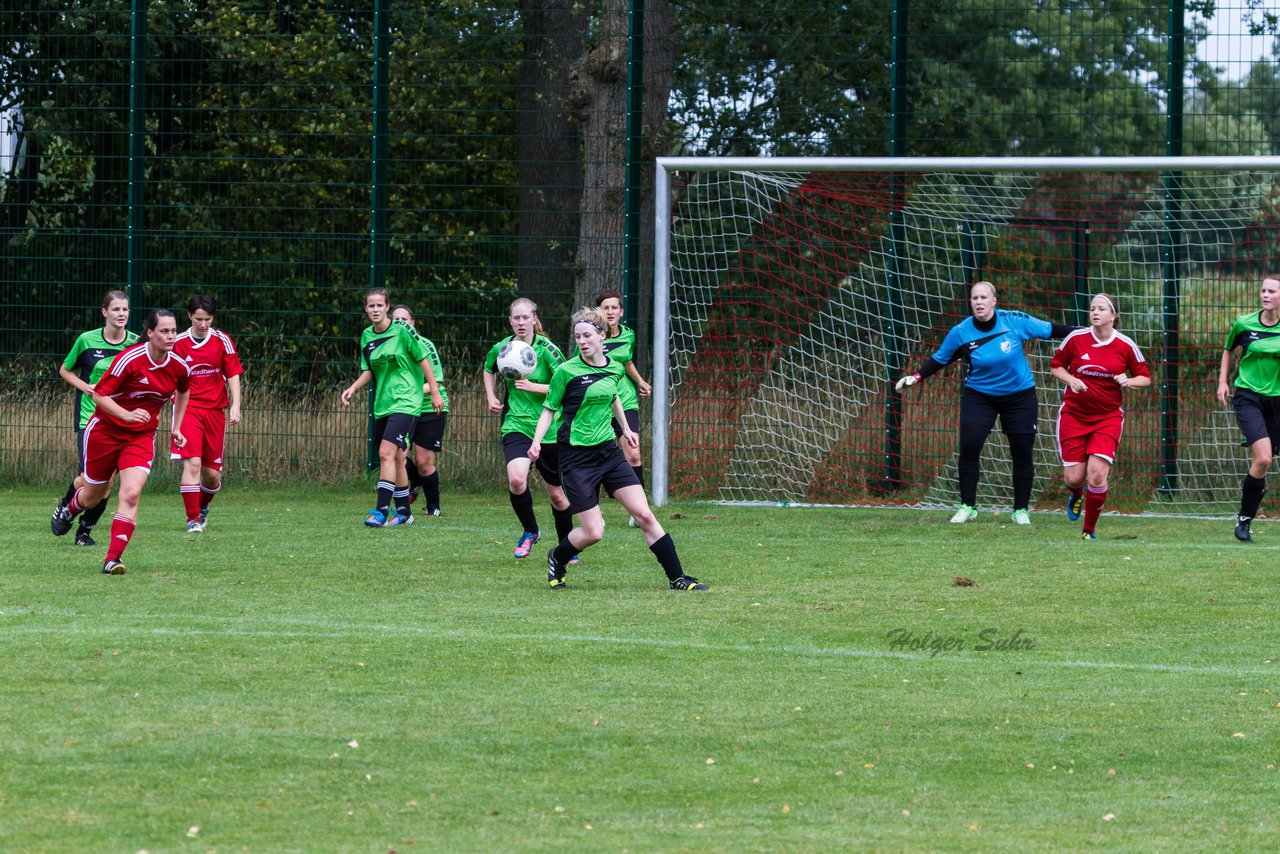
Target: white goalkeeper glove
<point x="909" y="379"/>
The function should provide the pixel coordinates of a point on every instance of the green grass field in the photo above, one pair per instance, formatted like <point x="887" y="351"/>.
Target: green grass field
<point x="292" y="681"/>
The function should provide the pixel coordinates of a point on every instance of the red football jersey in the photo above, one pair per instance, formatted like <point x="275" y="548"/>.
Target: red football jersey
<point x="136" y="382"/>
<point x="212" y="362"/>
<point x="1097" y="362"/>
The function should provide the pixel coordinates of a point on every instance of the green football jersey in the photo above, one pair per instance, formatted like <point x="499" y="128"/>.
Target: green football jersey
<point x="522" y="408"/>
<point x="433" y="356"/>
<point x="583" y="395"/>
<point x="392" y="356"/>
<point x="89" y="359"/>
<point x="1259" y="354"/>
<point x="622" y="348"/>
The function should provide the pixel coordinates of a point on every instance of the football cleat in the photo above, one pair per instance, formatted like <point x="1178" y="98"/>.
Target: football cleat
<point x="60" y="523"/>
<point x="414" y="493"/>
<point x="688" y="582"/>
<point x="1075" y="503"/>
<point x="83" y="538"/>
<point x="195" y="526"/>
<point x="113" y="567"/>
<point x="1088" y="536"/>
<point x="632" y="523"/>
<point x="432" y="511"/>
<point x="375" y="519"/>
<point x="1242" y="531"/>
<point x="525" y="544"/>
<point x="574" y="561"/>
<point x="1021" y="517"/>
<point x="555" y="572"/>
<point x="964" y="513"/>
<point x="204" y="515"/>
<point x="399" y="520"/>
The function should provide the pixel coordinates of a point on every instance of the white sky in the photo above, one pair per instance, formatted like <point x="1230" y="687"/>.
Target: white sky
<point x="1229" y="47"/>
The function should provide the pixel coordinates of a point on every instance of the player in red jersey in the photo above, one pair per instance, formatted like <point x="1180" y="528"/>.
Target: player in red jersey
<point x="121" y="436"/>
<point x="1096" y="364"/>
<point x="214" y="402"/>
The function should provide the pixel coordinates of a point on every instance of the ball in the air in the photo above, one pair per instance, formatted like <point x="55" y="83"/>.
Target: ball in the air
<point x="516" y="360"/>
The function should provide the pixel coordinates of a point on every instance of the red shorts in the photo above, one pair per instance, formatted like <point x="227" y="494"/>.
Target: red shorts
<point x="108" y="451"/>
<point x="206" y="434"/>
<point x="1078" y="440"/>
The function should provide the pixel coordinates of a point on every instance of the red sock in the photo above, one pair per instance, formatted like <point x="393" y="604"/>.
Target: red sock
<point x="207" y="494"/>
<point x="74" y="504"/>
<point x="191" y="500"/>
<point x="1094" y="498"/>
<point x="122" y="528"/>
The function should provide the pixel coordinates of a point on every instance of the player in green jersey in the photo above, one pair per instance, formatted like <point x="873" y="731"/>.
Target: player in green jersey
<point x="392" y="357"/>
<point x="428" y="434"/>
<point x="88" y="360"/>
<point x="519" y="418"/>
<point x="583" y="396"/>
<point x="1256" y="396"/>
<point x="620" y="345"/>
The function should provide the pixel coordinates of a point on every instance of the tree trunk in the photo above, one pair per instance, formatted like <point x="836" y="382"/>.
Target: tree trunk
<point x="549" y="167"/>
<point x="659" y="68"/>
<point x="603" y="76"/>
<point x="604" y="109"/>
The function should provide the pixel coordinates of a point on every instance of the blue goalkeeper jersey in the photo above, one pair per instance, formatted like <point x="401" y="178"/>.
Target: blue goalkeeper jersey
<point x="995" y="363"/>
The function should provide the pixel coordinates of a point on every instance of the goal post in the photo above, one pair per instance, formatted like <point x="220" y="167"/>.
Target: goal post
<point x="789" y="293"/>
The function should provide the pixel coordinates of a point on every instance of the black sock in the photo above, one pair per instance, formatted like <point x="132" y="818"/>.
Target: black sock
<point x="431" y="489"/>
<point x="383" y="495"/>
<point x="564" y="552"/>
<point x="523" y="505"/>
<point x="71" y="491"/>
<point x="401" y="496"/>
<point x="665" y="551"/>
<point x="639" y="470"/>
<point x="92" y="515"/>
<point x="564" y="522"/>
<point x="1251" y="492"/>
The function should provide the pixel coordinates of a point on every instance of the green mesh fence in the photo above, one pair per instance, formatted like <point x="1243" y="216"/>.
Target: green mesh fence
<point x="283" y="157"/>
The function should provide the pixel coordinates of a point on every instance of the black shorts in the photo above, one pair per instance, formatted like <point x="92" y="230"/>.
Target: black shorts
<point x="395" y="428"/>
<point x="1019" y="412"/>
<point x="633" y="421"/>
<point x="428" y="434"/>
<point x="585" y="470"/>
<point x="515" y="446"/>
<point x="1258" y="416"/>
<point x="80" y="447"/>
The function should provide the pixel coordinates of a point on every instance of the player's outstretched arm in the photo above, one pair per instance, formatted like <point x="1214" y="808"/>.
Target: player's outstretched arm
<point x="930" y="367"/>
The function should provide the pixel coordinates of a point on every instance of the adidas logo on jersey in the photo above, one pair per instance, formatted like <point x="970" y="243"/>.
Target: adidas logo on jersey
<point x="144" y="381"/>
<point x="1085" y="357"/>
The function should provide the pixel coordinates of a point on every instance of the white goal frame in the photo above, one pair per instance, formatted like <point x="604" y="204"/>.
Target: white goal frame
<point x="665" y="166"/>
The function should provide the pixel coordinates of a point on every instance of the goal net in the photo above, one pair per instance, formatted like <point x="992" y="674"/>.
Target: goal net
<point x="790" y="294"/>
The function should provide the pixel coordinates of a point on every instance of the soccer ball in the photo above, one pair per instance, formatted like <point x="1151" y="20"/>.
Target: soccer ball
<point x="517" y="360"/>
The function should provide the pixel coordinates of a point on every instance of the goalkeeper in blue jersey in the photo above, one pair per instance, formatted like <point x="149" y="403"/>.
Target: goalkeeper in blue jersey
<point x="998" y="382"/>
